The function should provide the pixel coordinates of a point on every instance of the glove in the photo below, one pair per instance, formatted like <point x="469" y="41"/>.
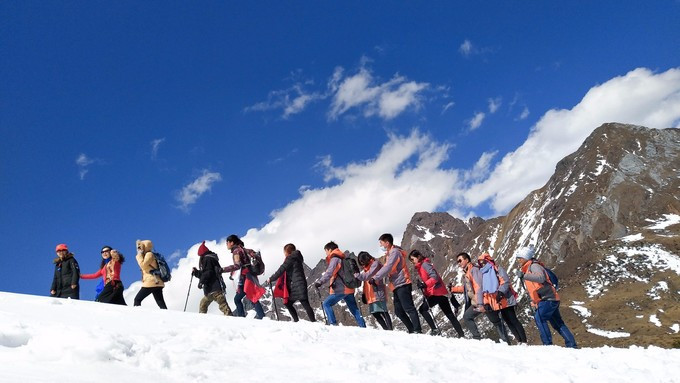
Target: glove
<point x="487" y="307"/>
<point x="317" y="284"/>
<point x="196" y="273"/>
<point x="499" y="296"/>
<point x="520" y="275"/>
<point x="421" y="284"/>
<point x="200" y="285"/>
<point x="372" y="282"/>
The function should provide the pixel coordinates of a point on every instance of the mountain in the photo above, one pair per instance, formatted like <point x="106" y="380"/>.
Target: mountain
<point x="607" y="222"/>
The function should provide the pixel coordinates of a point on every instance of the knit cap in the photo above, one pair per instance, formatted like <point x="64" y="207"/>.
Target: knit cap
<point x="203" y="249"/>
<point x="525" y="253"/>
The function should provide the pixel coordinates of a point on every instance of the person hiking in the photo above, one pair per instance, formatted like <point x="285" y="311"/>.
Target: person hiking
<point x="504" y="298"/>
<point x="434" y="291"/>
<point x="474" y="298"/>
<point x="374" y="296"/>
<point x="110" y="272"/>
<point x="544" y="298"/>
<point x="209" y="274"/>
<point x="396" y="271"/>
<point x="106" y="257"/>
<point x="248" y="284"/>
<point x="291" y="277"/>
<point x="338" y="290"/>
<point x="66" y="279"/>
<point x="151" y="284"/>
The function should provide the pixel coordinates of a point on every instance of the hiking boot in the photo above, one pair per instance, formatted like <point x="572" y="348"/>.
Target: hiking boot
<point x="435" y="332"/>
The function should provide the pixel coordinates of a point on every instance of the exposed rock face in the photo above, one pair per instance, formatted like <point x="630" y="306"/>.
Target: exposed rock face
<point x="593" y="224"/>
<point x="607" y="222"/>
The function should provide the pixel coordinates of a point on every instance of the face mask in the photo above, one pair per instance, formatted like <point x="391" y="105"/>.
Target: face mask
<point x="383" y="248"/>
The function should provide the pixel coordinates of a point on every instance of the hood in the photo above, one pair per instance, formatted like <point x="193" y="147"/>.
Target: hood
<point x="296" y="254"/>
<point x="145" y="245"/>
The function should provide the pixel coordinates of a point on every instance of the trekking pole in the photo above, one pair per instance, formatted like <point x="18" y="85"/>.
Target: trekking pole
<point x="429" y="309"/>
<point x="188" y="292"/>
<point x="325" y="318"/>
<point x="276" y="311"/>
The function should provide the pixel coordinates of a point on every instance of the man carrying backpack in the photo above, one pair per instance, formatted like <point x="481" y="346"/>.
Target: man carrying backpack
<point x="396" y="271"/>
<point x="544" y="297"/>
<point x="338" y="290"/>
<point x="209" y="274"/>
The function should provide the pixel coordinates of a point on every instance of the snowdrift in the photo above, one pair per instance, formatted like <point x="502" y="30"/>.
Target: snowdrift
<point x="46" y="340"/>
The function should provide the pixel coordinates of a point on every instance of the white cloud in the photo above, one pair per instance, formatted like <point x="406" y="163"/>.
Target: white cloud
<point x="290" y="101"/>
<point x="155" y="145"/>
<point x="482" y="167"/>
<point x="194" y="190"/>
<point x="448" y="106"/>
<point x="466" y="48"/>
<point x="494" y="104"/>
<point x="640" y="97"/>
<point x="84" y="162"/>
<point x="386" y="100"/>
<point x="524" y="114"/>
<point x="476" y="121"/>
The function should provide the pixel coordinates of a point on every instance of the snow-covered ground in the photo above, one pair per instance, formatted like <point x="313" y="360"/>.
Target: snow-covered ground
<point x="50" y="340"/>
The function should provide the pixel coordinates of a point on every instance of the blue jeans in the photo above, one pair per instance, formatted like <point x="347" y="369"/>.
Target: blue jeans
<point x="549" y="312"/>
<point x="240" y="312"/>
<point x="332" y="299"/>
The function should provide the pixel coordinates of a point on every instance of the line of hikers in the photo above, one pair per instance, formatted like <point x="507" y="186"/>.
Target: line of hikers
<point x="486" y="286"/>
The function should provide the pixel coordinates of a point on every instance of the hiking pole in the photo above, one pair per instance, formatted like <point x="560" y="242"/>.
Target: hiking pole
<point x="429" y="309"/>
<point x="188" y="292"/>
<point x="276" y="311"/>
<point x="325" y="318"/>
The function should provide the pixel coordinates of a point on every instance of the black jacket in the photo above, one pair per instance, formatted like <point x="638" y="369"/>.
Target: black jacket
<point x="66" y="273"/>
<point x="296" y="281"/>
<point x="210" y="273"/>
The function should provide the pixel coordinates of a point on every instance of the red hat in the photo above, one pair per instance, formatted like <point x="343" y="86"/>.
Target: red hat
<point x="62" y="246"/>
<point x="203" y="249"/>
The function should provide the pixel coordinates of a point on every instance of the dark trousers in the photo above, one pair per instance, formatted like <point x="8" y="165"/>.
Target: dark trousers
<point x="241" y="312"/>
<point x="469" y="319"/>
<point x="305" y="305"/>
<point x="112" y="293"/>
<point x="157" y="295"/>
<point x="383" y="320"/>
<point x="405" y="309"/>
<point x="514" y="324"/>
<point x="443" y="302"/>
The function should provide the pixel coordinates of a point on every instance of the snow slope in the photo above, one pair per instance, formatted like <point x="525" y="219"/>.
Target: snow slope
<point x="46" y="340"/>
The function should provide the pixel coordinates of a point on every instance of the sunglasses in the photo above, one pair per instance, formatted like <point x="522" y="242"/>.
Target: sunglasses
<point x="459" y="261"/>
<point x="106" y="251"/>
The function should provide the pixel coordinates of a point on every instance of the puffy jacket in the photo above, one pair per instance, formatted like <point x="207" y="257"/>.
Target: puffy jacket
<point x="334" y="262"/>
<point x="210" y="273"/>
<point x="296" y="281"/>
<point x="472" y="286"/>
<point x="66" y="274"/>
<point x="434" y="283"/>
<point x="147" y="262"/>
<point x="372" y="293"/>
<point x="395" y="268"/>
<point x="537" y="283"/>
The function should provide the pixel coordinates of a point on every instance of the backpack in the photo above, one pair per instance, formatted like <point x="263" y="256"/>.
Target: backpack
<point x="348" y="268"/>
<point x="553" y="277"/>
<point x="163" y="271"/>
<point x="255" y="259"/>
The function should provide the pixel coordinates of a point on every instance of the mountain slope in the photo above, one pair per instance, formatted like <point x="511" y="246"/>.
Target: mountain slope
<point x="607" y="222"/>
<point x="48" y="340"/>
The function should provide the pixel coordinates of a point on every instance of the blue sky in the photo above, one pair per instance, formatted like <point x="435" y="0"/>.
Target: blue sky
<point x="304" y="122"/>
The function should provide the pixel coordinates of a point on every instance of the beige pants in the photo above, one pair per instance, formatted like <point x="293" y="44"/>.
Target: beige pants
<point x="218" y="297"/>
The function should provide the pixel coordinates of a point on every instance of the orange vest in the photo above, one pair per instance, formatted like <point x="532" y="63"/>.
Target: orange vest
<point x="533" y="287"/>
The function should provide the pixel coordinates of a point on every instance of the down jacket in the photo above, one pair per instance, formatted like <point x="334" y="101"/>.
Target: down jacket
<point x="66" y="274"/>
<point x="296" y="281"/>
<point x="147" y="262"/>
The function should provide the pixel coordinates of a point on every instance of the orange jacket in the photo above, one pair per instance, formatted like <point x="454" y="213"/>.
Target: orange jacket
<point x="538" y="283"/>
<point x="472" y="283"/>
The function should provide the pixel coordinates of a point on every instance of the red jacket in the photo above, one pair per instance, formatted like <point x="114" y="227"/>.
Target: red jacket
<point x="428" y="274"/>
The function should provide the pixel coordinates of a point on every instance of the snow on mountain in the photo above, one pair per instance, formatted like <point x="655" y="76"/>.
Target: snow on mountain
<point x="47" y="340"/>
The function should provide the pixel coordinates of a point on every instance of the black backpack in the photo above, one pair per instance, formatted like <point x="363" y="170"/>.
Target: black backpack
<point x="255" y="260"/>
<point x="163" y="270"/>
<point x="349" y="267"/>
